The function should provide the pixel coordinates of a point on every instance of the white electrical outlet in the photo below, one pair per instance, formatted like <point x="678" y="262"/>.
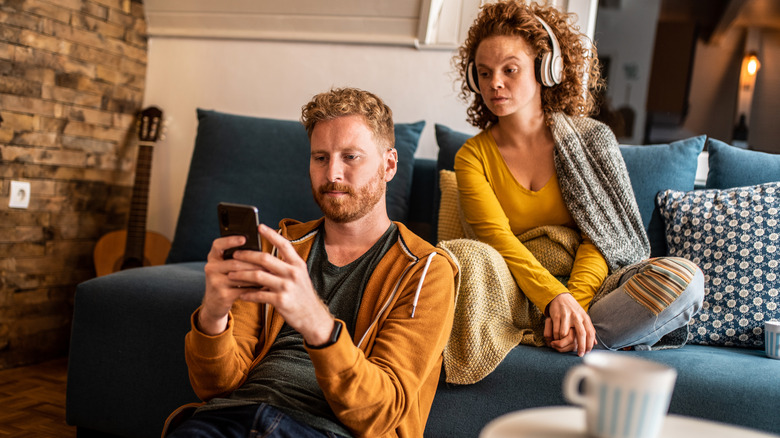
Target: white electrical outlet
<point x="19" y="195"/>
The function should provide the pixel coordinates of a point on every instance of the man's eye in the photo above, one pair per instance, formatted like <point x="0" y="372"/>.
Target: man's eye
<point x="318" y="159"/>
<point x="350" y="157"/>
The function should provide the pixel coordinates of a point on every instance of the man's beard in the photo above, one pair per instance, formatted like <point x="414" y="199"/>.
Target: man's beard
<point x="357" y="202"/>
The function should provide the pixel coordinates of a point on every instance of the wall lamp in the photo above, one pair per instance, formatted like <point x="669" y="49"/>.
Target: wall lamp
<point x="751" y="63"/>
<point x="747" y="84"/>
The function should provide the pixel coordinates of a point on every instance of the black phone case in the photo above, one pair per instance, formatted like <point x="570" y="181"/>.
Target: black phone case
<point x="241" y="220"/>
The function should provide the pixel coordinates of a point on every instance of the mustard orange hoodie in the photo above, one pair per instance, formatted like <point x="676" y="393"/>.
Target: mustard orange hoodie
<point x="379" y="383"/>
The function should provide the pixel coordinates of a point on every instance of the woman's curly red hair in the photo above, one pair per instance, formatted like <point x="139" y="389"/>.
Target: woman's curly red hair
<point x="515" y="18"/>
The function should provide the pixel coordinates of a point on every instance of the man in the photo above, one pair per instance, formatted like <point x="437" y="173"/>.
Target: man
<point x="337" y="328"/>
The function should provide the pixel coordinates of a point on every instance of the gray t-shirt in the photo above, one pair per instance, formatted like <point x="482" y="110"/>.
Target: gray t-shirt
<point x="285" y="377"/>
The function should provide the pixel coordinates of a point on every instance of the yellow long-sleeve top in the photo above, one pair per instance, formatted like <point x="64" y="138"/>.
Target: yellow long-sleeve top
<point x="498" y="208"/>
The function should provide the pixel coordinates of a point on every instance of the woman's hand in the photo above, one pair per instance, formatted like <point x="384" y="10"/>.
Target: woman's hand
<point x="568" y="327"/>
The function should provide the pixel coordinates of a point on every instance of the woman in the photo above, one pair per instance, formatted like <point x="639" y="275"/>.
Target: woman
<point x="538" y="162"/>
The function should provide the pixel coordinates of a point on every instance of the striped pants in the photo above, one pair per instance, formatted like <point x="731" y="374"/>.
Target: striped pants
<point x="653" y="298"/>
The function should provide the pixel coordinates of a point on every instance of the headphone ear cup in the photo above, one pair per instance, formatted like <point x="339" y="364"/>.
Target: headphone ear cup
<point x="551" y="68"/>
<point x="472" y="77"/>
<point x="543" y="70"/>
<point x="556" y="70"/>
<point x="538" y="70"/>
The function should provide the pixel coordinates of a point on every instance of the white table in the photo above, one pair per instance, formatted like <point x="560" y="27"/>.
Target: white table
<point x="569" y="422"/>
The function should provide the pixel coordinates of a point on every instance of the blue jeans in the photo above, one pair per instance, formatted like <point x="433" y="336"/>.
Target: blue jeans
<point x="620" y="321"/>
<point x="254" y="421"/>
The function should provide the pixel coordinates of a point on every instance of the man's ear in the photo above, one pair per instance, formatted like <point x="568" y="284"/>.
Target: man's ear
<point x="391" y="164"/>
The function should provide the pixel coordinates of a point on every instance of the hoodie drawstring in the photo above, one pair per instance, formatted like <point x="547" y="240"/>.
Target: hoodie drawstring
<point x="419" y="285"/>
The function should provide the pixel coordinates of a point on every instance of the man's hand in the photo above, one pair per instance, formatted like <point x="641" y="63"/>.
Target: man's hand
<point x="568" y="327"/>
<point x="285" y="284"/>
<point x="221" y="291"/>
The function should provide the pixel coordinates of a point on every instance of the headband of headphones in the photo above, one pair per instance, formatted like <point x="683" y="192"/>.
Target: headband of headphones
<point x="552" y="62"/>
<point x="549" y="71"/>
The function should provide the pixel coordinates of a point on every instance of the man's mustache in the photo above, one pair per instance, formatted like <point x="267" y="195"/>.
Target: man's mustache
<point x="334" y="187"/>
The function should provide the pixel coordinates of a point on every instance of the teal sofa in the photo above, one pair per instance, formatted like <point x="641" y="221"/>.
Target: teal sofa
<point x="126" y="368"/>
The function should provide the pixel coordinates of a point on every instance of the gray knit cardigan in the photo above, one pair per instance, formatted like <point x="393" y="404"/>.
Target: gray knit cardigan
<point x="597" y="190"/>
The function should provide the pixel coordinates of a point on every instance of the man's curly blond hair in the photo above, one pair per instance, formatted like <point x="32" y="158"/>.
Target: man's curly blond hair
<point x="342" y="102"/>
<point x="516" y="18"/>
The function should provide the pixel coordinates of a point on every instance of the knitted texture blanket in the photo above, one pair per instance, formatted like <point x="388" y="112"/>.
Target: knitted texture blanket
<point x="492" y="315"/>
<point x="596" y="188"/>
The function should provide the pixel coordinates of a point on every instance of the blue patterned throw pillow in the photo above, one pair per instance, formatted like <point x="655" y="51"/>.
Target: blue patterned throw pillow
<point x="734" y="237"/>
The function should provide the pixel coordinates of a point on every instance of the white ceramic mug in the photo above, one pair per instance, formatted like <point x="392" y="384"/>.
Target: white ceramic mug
<point x="772" y="339"/>
<point x="623" y="396"/>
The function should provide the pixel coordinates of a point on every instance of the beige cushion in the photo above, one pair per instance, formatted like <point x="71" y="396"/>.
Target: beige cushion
<point x="452" y="224"/>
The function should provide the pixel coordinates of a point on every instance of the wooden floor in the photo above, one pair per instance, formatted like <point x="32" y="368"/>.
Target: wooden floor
<point x="32" y="401"/>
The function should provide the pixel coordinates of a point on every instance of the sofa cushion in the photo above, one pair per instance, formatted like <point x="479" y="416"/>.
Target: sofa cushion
<point x="262" y="162"/>
<point x="407" y="138"/>
<point x="653" y="168"/>
<point x="730" y="166"/>
<point x="713" y="383"/>
<point x="126" y="368"/>
<point x="449" y="142"/>
<point x="422" y="200"/>
<point x="451" y="223"/>
<point x="734" y="237"/>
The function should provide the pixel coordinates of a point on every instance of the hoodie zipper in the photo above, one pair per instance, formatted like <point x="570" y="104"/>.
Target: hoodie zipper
<point x="395" y="292"/>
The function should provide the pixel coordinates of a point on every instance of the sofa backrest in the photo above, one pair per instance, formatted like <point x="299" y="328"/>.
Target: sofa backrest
<point x="653" y="168"/>
<point x="263" y="162"/>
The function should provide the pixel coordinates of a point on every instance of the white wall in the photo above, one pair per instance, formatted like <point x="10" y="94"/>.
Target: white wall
<point x="274" y="79"/>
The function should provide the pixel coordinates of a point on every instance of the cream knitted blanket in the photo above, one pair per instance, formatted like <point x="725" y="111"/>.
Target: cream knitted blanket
<point x="492" y="315"/>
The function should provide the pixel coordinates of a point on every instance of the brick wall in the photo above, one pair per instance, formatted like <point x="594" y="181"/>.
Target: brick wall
<point x="72" y="75"/>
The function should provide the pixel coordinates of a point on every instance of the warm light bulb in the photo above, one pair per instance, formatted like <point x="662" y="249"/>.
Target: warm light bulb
<point x="753" y="65"/>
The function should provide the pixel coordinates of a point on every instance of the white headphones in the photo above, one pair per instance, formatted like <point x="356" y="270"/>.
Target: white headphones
<point x="549" y="70"/>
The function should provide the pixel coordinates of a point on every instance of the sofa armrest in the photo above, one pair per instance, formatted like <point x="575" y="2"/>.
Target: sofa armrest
<point x="126" y="368"/>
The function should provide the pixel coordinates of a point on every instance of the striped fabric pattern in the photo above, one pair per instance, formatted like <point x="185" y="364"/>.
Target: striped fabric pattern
<point x="660" y="282"/>
<point x="630" y="413"/>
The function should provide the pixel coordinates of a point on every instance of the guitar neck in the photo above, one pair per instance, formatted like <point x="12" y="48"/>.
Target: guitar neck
<point x="136" y="228"/>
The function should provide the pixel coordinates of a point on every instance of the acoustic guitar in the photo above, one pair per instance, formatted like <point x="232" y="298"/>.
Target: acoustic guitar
<point x="136" y="247"/>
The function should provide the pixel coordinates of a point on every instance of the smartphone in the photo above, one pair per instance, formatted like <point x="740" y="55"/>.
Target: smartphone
<point x="241" y="220"/>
